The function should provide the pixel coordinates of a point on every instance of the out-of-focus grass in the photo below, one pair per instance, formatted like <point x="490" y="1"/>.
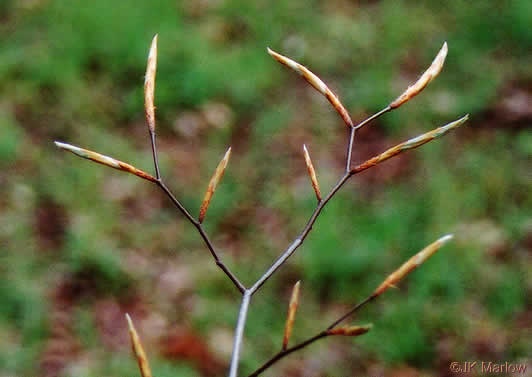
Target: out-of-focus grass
<point x="76" y="236"/>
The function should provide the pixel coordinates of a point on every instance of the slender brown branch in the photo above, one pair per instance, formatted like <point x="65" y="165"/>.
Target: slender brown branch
<point x="413" y="143"/>
<point x="317" y="83"/>
<point x="352" y="134"/>
<point x="287" y="352"/>
<point x="203" y="235"/>
<point x="155" y="155"/>
<point x="356" y="308"/>
<point x="412" y="263"/>
<point x="374" y="116"/>
<point x="299" y="240"/>
<point x="304" y="233"/>
<point x="322" y="334"/>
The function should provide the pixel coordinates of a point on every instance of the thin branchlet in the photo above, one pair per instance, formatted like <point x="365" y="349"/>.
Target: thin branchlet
<point x="247" y="293"/>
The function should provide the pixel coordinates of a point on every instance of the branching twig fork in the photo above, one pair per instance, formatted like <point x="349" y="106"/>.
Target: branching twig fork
<point x="149" y="95"/>
<point x="396" y="276"/>
<point x="247" y="293"/>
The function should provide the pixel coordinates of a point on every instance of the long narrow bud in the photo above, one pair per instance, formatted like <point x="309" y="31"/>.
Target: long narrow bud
<point x="316" y="82"/>
<point x="411" y="264"/>
<point x="138" y="350"/>
<point x="292" y="309"/>
<point x="422" y="82"/>
<point x="312" y="173"/>
<point x="105" y="160"/>
<point x="213" y="183"/>
<point x="350" y="330"/>
<point x="149" y="85"/>
<point x="409" y="144"/>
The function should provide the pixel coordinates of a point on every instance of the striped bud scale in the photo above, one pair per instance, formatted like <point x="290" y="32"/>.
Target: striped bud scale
<point x="138" y="350"/>
<point x="316" y="82"/>
<point x="213" y="183"/>
<point x="149" y="85"/>
<point x="105" y="160"/>
<point x="411" y="264"/>
<point x="292" y="309"/>
<point x="433" y="71"/>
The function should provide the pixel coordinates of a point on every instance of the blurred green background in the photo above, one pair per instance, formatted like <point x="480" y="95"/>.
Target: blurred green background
<point x="82" y="244"/>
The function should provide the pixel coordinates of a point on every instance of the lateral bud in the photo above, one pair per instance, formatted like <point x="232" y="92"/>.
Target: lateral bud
<point x="149" y="85"/>
<point x="409" y="144"/>
<point x="213" y="183"/>
<point x="105" y="160"/>
<point x="350" y="330"/>
<point x="411" y="264"/>
<point x="312" y="173"/>
<point x="316" y="82"/>
<point x="138" y="350"/>
<point x="292" y="309"/>
<point x="433" y="71"/>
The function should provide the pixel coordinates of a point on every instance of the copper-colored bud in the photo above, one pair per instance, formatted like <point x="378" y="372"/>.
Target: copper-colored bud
<point x="149" y="85"/>
<point x="312" y="173"/>
<point x="292" y="309"/>
<point x="213" y="183"/>
<point x="350" y="330"/>
<point x="316" y="82"/>
<point x="422" y="82"/>
<point x="105" y="160"/>
<point x="411" y="264"/>
<point x="138" y="350"/>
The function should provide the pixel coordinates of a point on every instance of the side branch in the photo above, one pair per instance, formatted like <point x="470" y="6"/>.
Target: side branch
<point x="321" y="204"/>
<point x="288" y="351"/>
<point x="203" y="235"/>
<point x="415" y="261"/>
<point x="239" y="333"/>
<point x="410" y="144"/>
<point x="299" y="240"/>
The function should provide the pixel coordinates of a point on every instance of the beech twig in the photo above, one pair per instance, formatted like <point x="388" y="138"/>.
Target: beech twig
<point x="247" y="293"/>
<point x="138" y="350"/>
<point x="393" y="278"/>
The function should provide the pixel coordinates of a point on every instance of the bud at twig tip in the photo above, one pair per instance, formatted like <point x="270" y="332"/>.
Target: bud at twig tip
<point x="149" y="85"/>
<point x="433" y="71"/>
<point x="290" y="318"/>
<point x="316" y="82"/>
<point x="409" y="144"/>
<point x="105" y="160"/>
<point x="138" y="350"/>
<point x="412" y="263"/>
<point x="213" y="184"/>
<point x="312" y="173"/>
<point x="446" y="238"/>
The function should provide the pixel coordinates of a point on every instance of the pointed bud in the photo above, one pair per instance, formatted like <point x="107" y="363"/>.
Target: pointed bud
<point x="409" y="144"/>
<point x="312" y="173"/>
<point x="292" y="309"/>
<point x="350" y="330"/>
<point x="316" y="82"/>
<point x="422" y="82"/>
<point x="213" y="183"/>
<point x="149" y="85"/>
<point x="105" y="160"/>
<point x="138" y="350"/>
<point x="411" y="264"/>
